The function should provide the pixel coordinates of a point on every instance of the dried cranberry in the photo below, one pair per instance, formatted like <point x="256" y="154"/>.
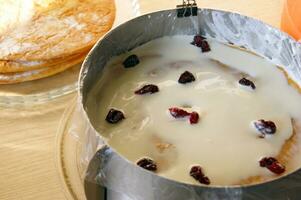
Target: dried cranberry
<point x="272" y="164"/>
<point x="114" y="116"/>
<point x="276" y="168"/>
<point x="247" y="82"/>
<point x="147" y="164"/>
<point x="265" y="127"/>
<point x="197" y="40"/>
<point x="194" y="118"/>
<point x="147" y="89"/>
<point x="178" y="112"/>
<point x="197" y="173"/>
<point x="201" y="42"/>
<point x="131" y="61"/>
<point x="186" y="77"/>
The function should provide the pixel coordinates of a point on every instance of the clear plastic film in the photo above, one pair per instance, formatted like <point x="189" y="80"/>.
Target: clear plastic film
<point x="107" y="168"/>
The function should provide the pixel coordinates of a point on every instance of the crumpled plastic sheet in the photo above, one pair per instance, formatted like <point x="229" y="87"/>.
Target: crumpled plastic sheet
<point x="105" y="167"/>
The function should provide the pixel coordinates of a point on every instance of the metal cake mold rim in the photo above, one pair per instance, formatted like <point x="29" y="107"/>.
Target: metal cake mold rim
<point x="252" y="34"/>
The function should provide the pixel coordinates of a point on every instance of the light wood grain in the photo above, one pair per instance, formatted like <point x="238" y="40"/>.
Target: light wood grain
<point x="27" y="144"/>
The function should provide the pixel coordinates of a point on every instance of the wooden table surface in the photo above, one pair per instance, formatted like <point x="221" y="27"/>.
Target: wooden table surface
<point x="27" y="144"/>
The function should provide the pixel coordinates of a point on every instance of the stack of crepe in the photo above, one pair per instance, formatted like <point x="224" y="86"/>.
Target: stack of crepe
<point x="40" y="38"/>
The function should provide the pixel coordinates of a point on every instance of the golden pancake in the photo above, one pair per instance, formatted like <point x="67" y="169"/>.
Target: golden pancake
<point x="19" y="66"/>
<point x="9" y="78"/>
<point x="284" y="158"/>
<point x="288" y="149"/>
<point x="50" y="29"/>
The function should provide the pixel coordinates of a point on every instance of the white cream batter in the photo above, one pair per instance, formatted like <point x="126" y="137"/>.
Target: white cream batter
<point x="223" y="142"/>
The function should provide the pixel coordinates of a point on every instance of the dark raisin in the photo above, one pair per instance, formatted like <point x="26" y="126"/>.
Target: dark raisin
<point x="147" y="89"/>
<point x="267" y="161"/>
<point x="131" y="61"/>
<point x="197" y="173"/>
<point x="247" y="82"/>
<point x="194" y="118"/>
<point x="147" y="164"/>
<point x="186" y="77"/>
<point x="272" y="164"/>
<point x="205" y="46"/>
<point x="201" y="42"/>
<point x="178" y="112"/>
<point x="205" y="180"/>
<point x="265" y="127"/>
<point x="197" y="40"/>
<point x="114" y="116"/>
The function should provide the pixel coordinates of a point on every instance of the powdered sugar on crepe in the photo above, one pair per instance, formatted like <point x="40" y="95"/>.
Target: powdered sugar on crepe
<point x="57" y="31"/>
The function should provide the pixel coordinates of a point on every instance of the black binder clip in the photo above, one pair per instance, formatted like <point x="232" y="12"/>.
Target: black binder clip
<point x="187" y="9"/>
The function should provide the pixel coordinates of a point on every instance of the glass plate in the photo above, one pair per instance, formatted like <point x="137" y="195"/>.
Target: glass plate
<point x="68" y="162"/>
<point x="68" y="157"/>
<point x="43" y="90"/>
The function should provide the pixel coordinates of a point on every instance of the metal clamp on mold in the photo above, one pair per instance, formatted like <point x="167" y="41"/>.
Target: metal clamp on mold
<point x="187" y="9"/>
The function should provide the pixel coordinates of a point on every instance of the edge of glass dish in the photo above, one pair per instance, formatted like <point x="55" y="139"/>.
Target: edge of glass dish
<point x="66" y="157"/>
<point x="39" y="98"/>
